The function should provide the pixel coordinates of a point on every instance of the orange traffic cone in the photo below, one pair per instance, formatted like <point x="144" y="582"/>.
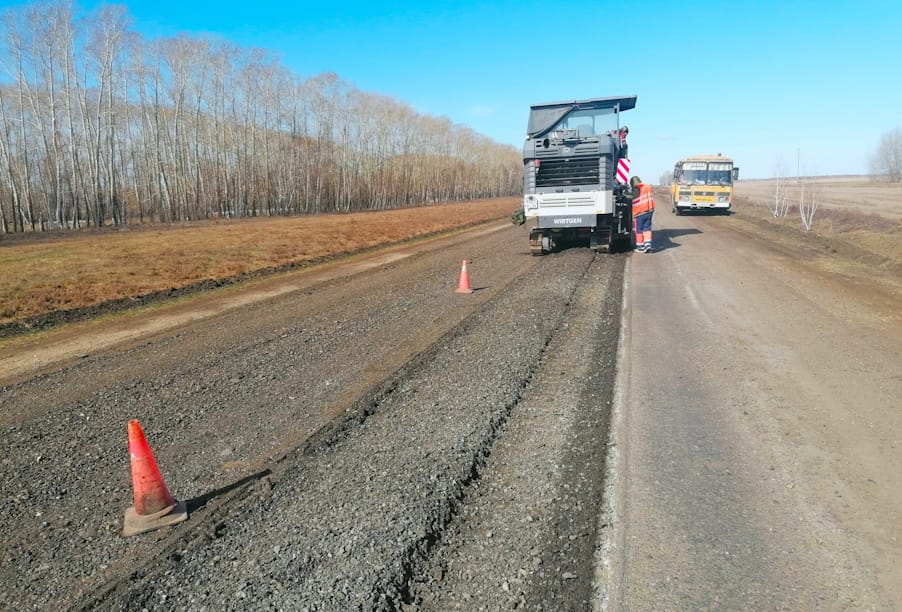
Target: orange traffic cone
<point x="464" y="285"/>
<point x="154" y="506"/>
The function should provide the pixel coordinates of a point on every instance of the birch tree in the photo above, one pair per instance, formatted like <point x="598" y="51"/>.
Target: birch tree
<point x="98" y="125"/>
<point x="807" y="205"/>
<point x="780" y="205"/>
<point x="887" y="159"/>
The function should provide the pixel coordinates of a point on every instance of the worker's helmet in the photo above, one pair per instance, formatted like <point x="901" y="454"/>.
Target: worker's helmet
<point x="634" y="182"/>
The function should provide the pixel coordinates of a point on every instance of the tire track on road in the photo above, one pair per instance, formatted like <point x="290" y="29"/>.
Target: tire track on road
<point x="361" y="513"/>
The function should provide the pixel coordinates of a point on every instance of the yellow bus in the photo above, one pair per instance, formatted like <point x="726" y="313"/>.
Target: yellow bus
<point x="703" y="182"/>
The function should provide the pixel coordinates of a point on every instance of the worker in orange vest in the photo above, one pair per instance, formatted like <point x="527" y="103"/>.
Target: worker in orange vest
<point x="643" y="209"/>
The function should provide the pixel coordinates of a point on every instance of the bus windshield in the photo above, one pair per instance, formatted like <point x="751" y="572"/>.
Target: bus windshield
<point x="701" y="173"/>
<point x="720" y="173"/>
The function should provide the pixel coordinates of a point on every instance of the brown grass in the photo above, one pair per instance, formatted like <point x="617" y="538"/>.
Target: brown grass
<point x="851" y="194"/>
<point x="850" y="236"/>
<point x="45" y="274"/>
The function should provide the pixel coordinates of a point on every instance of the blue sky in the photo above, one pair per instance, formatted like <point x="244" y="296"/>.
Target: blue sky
<point x="814" y="84"/>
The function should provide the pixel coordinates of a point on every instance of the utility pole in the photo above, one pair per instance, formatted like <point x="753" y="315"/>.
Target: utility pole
<point x="798" y="178"/>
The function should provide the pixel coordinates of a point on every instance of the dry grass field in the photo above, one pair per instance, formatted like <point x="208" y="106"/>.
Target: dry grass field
<point x="856" y="230"/>
<point x="43" y="273"/>
<point x="837" y="194"/>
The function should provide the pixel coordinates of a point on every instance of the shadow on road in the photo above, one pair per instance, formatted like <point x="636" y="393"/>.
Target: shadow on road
<point x="663" y="239"/>
<point x="197" y="503"/>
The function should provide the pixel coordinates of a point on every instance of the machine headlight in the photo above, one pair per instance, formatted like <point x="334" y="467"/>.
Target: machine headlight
<point x="684" y="198"/>
<point x="531" y="202"/>
<point x="722" y="198"/>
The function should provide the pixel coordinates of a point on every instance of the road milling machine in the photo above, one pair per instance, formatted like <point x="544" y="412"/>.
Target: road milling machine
<point x="571" y="185"/>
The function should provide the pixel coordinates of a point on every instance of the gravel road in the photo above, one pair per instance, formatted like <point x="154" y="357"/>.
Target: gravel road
<point x="374" y="441"/>
<point x="714" y="425"/>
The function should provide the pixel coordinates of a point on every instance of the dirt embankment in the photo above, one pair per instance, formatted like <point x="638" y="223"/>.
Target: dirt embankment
<point x="855" y="234"/>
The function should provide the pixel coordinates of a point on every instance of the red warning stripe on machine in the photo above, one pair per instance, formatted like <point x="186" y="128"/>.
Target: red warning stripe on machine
<point x="623" y="170"/>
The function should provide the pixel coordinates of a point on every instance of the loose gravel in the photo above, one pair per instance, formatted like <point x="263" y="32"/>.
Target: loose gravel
<point x="333" y="446"/>
<point x="528" y="527"/>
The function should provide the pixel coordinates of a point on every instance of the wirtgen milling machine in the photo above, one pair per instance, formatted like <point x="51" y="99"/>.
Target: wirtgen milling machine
<point x="570" y="163"/>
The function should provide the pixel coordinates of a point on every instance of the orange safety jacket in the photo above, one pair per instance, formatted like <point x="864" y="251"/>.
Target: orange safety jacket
<point x="645" y="202"/>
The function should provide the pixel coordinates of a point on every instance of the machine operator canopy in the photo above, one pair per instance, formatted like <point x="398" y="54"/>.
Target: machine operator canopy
<point x="544" y="117"/>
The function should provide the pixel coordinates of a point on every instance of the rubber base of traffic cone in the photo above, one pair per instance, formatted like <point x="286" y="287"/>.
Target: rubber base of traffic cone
<point x="137" y="523"/>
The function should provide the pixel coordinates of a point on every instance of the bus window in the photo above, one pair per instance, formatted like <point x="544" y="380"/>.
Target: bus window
<point x="720" y="174"/>
<point x="695" y="177"/>
<point x="695" y="173"/>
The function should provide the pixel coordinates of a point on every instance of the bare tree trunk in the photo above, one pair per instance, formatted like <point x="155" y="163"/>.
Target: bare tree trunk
<point x="807" y="206"/>
<point x="7" y="160"/>
<point x="107" y="45"/>
<point x="22" y="210"/>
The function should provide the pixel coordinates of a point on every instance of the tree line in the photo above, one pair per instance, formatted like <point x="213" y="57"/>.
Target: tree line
<point x="101" y="126"/>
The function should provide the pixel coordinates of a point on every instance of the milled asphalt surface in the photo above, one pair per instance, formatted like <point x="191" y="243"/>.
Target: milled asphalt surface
<point x="326" y="441"/>
<point x="532" y="516"/>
